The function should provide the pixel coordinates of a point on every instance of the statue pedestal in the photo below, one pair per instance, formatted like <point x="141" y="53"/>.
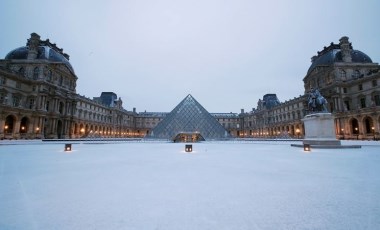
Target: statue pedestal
<point x="319" y="130"/>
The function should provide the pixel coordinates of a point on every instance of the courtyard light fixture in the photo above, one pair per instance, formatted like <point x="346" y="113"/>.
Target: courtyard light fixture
<point x="188" y="148"/>
<point x="67" y="147"/>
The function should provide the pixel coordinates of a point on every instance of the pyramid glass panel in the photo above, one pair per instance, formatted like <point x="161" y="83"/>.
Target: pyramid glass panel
<point x="189" y="117"/>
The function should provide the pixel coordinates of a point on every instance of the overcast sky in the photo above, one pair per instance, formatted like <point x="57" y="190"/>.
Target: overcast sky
<point x="227" y="54"/>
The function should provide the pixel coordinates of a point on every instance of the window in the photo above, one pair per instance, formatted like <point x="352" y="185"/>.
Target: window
<point x="49" y="75"/>
<point x="344" y="90"/>
<point x="2" y="80"/>
<point x="36" y="72"/>
<point x="377" y="100"/>
<point x="31" y="103"/>
<point x="356" y="74"/>
<point x="3" y="97"/>
<point x="16" y="101"/>
<point x="360" y="86"/>
<point x="22" y="71"/>
<point x="60" y="81"/>
<point x="18" y="85"/>
<point x="343" y="75"/>
<point x="47" y="106"/>
<point x="347" y="105"/>
<point x="362" y="102"/>
<point x="374" y="83"/>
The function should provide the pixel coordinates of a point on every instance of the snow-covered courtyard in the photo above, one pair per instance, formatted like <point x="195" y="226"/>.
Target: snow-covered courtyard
<point x="237" y="185"/>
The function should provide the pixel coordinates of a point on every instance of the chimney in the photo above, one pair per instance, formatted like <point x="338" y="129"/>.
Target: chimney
<point x="242" y="111"/>
<point x="134" y="110"/>
<point x="345" y="48"/>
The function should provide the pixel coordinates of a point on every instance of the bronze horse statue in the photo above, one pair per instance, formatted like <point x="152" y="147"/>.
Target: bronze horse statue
<point x="316" y="102"/>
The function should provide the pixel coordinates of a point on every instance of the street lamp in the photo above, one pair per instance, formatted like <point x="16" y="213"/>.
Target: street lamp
<point x="37" y="131"/>
<point x="298" y="133"/>
<point x="356" y="132"/>
<point x="342" y="130"/>
<point x="373" y="132"/>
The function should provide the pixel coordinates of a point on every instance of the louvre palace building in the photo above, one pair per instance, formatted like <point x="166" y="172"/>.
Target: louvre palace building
<point x="38" y="100"/>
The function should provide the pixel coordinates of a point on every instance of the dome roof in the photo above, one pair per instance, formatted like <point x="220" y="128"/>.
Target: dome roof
<point x="44" y="53"/>
<point x="335" y="55"/>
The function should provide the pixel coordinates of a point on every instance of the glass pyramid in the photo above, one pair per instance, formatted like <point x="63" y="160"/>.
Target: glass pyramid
<point x="189" y="117"/>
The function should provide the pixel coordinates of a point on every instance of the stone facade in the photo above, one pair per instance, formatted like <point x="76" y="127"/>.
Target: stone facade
<point x="38" y="99"/>
<point x="350" y="82"/>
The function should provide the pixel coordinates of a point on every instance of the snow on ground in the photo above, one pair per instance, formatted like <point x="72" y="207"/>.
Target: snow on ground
<point x="238" y="185"/>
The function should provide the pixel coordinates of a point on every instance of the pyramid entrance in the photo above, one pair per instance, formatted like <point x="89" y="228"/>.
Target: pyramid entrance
<point x="188" y="137"/>
<point x="189" y="120"/>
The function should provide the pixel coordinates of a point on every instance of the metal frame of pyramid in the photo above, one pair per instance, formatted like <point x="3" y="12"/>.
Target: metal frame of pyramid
<point x="189" y="117"/>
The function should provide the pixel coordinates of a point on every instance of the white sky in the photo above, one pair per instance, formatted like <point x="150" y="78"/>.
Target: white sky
<point x="227" y="54"/>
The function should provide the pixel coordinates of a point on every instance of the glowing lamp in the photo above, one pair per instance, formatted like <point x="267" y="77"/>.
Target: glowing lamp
<point x="306" y="147"/>
<point x="67" y="147"/>
<point x="188" y="148"/>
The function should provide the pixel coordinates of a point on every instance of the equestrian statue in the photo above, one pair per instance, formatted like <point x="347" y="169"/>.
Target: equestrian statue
<point x="316" y="102"/>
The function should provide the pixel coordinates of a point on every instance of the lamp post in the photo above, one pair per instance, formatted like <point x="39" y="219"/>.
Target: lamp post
<point x="37" y="131"/>
<point x="298" y="133"/>
<point x="356" y="132"/>
<point x="373" y="132"/>
<point x="342" y="130"/>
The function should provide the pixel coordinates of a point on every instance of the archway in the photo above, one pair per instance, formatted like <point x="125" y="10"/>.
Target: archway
<point x="354" y="126"/>
<point x="59" y="129"/>
<point x="9" y="124"/>
<point x="368" y="124"/>
<point x="24" y="125"/>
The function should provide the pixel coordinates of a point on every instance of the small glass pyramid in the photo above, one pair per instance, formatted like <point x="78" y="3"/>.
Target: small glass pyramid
<point x="189" y="117"/>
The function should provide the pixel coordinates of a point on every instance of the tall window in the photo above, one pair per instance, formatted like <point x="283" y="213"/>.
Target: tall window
<point x="356" y="74"/>
<point x="36" y="72"/>
<point x="49" y="75"/>
<point x="374" y="83"/>
<point x="360" y="87"/>
<point x="2" y="80"/>
<point x="3" y="99"/>
<point x="22" y="71"/>
<point x="47" y="105"/>
<point x="347" y="105"/>
<point x="343" y="75"/>
<point x="16" y="100"/>
<point x="377" y="100"/>
<point x="31" y="103"/>
<point x="60" y="80"/>
<point x="362" y="102"/>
